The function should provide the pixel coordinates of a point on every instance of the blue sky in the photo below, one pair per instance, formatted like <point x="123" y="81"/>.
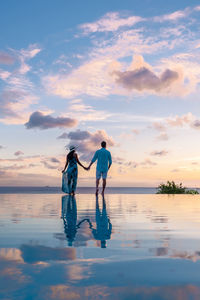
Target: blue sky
<point x="82" y="71"/>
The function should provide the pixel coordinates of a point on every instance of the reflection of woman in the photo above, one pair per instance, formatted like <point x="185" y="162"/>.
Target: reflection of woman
<point x="70" y="176"/>
<point x="69" y="216"/>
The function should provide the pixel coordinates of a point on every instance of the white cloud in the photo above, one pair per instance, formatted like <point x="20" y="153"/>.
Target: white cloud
<point x="82" y="112"/>
<point x="110" y="22"/>
<point x="179" y="14"/>
<point x="92" y="78"/>
<point x="17" y="94"/>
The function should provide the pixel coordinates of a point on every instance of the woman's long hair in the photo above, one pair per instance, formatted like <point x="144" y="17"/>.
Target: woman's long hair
<point x="70" y="154"/>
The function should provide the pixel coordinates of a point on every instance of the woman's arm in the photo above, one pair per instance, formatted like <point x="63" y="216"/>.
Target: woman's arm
<point x="65" y="165"/>
<point x="78" y="161"/>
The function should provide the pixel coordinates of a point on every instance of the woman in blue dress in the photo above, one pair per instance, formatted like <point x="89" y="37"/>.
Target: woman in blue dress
<point x="69" y="181"/>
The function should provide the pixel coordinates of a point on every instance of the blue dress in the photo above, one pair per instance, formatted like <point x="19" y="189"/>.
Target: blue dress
<point x="69" y="179"/>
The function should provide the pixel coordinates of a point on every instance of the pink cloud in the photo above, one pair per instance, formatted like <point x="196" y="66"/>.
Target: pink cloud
<point x="159" y="126"/>
<point x="159" y="153"/>
<point x="144" y="79"/>
<point x="6" y="58"/>
<point x="180" y="120"/>
<point x="18" y="153"/>
<point x="163" y="137"/>
<point x="88" y="142"/>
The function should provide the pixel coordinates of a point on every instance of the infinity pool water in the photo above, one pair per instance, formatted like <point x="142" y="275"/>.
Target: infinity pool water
<point x="120" y="247"/>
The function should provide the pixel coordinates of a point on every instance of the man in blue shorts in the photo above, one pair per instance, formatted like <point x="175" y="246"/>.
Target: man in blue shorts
<point x="104" y="162"/>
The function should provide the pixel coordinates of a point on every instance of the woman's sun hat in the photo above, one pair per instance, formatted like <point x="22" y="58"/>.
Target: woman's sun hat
<point x="72" y="147"/>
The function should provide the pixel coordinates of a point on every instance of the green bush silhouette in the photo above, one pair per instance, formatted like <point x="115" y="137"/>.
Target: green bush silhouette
<point x="172" y="188"/>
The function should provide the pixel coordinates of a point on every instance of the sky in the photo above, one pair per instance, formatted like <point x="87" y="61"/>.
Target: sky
<point x="79" y="72"/>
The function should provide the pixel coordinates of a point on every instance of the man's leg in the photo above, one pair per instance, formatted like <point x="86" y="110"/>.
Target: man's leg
<point x="97" y="185"/>
<point x="104" y="186"/>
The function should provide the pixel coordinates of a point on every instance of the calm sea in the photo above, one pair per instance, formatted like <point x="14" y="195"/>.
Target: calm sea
<point x="80" y="190"/>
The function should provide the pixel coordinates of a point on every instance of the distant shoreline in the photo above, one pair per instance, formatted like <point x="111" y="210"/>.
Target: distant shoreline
<point x="80" y="190"/>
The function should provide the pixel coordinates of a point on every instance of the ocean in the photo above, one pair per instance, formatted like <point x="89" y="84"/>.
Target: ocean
<point x="80" y="190"/>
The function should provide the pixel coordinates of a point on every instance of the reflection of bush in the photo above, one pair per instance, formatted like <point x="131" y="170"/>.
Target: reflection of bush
<point x="172" y="188"/>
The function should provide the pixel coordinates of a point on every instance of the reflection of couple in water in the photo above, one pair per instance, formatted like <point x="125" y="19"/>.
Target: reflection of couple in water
<point x="69" y="180"/>
<point x="69" y="215"/>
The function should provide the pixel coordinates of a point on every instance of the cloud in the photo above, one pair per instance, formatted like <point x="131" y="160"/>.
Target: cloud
<point x="4" y="74"/>
<point x="6" y="58"/>
<point x="179" y="121"/>
<point x="63" y="136"/>
<point x="101" y="76"/>
<point x="148" y="162"/>
<point x="13" y="105"/>
<point x="1" y="147"/>
<point x="196" y="124"/>
<point x="47" y="163"/>
<point x="175" y="170"/>
<point x="135" y="131"/>
<point x="17" y="93"/>
<point x="49" y="166"/>
<point x="79" y="135"/>
<point x="14" y="167"/>
<point x="83" y="112"/>
<point x="18" y="153"/>
<point x="41" y="121"/>
<point x="110" y="22"/>
<point x="163" y="137"/>
<point x="91" y="78"/>
<point x="159" y="126"/>
<point x="144" y="79"/>
<point x="123" y="162"/>
<point x="27" y="54"/>
<point x="88" y="142"/>
<point x="54" y="160"/>
<point x="179" y="14"/>
<point x="159" y="153"/>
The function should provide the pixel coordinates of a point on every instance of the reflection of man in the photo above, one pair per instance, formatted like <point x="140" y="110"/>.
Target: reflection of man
<point x="103" y="226"/>
<point x="69" y="216"/>
<point x="104" y="162"/>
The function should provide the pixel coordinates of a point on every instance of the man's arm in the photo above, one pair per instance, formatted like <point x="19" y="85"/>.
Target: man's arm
<point x="93" y="160"/>
<point x="109" y="161"/>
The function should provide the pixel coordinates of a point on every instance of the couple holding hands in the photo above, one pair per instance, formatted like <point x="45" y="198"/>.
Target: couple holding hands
<point x="69" y="179"/>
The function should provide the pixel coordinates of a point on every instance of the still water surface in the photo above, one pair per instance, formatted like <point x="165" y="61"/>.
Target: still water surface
<point x="120" y="247"/>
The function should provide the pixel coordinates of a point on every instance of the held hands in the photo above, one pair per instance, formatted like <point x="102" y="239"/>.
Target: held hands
<point x="87" y="168"/>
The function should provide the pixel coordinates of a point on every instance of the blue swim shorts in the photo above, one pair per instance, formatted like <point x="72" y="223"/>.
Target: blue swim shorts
<point x="101" y="174"/>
